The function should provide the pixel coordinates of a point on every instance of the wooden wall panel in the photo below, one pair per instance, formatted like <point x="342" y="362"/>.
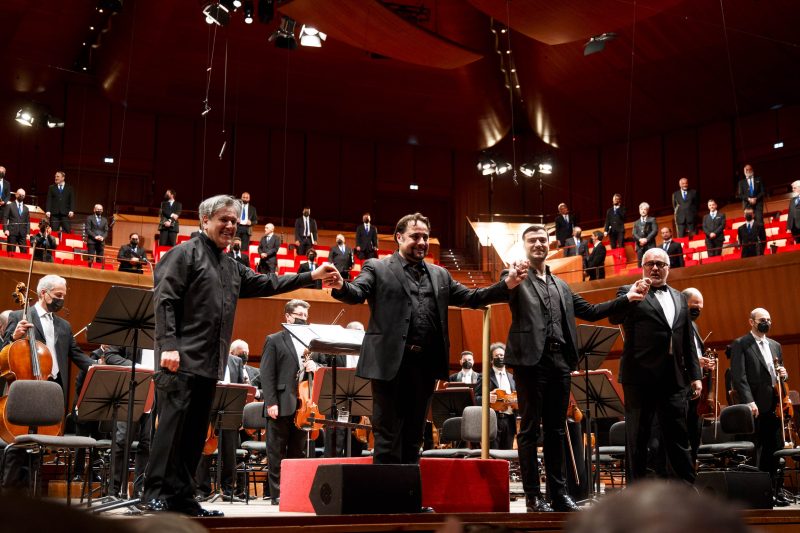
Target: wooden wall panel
<point x="175" y="163"/>
<point x="715" y="163"/>
<point x="286" y="176"/>
<point x="251" y="164"/>
<point x="612" y="177"/>
<point x="135" y="131"/>
<point x="357" y="168"/>
<point x="680" y="160"/>
<point x="647" y="170"/>
<point x="323" y="175"/>
<point x="585" y="195"/>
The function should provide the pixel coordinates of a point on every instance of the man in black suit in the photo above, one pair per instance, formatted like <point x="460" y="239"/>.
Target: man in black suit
<point x="56" y="333"/>
<point x="793" y="220"/>
<point x="341" y="256"/>
<point x="309" y="266"/>
<point x="694" y="423"/>
<point x="366" y="239"/>
<point x="237" y="254"/>
<point x="131" y="256"/>
<point x="169" y="224"/>
<point x="674" y="249"/>
<point x="5" y="189"/>
<point x="751" y="192"/>
<point x="614" y="227"/>
<point x="305" y="232"/>
<point x="595" y="263"/>
<point x="466" y="374"/>
<point x="252" y="376"/>
<point x="542" y="349"/>
<point x="685" y="203"/>
<point x="714" y="228"/>
<point x="17" y="223"/>
<point x="658" y="368"/>
<point x="756" y="366"/>
<point x="60" y="203"/>
<point x="96" y="230"/>
<point x="644" y="231"/>
<point x="268" y="248"/>
<point x="576" y="246"/>
<point x="283" y="366"/>
<point x="500" y="378"/>
<point x="44" y="243"/>
<point x="406" y="345"/>
<point x="752" y="235"/>
<point x="247" y="220"/>
<point x="565" y="224"/>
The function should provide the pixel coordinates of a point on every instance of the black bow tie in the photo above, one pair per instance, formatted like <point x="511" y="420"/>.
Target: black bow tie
<point x="656" y="289"/>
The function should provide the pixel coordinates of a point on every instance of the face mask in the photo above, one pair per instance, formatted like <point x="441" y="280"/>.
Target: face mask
<point x="300" y="321"/>
<point x="2" y="175"/>
<point x="748" y="217"/>
<point x="466" y="365"/>
<point x="762" y="327"/>
<point x="98" y="213"/>
<point x="20" y="198"/>
<point x="245" y="202"/>
<point x="55" y="305"/>
<point x="312" y="258"/>
<point x="236" y="247"/>
<point x="694" y="313"/>
<point x="243" y="357"/>
<point x="306" y="213"/>
<point x="498" y="362"/>
<point x="166" y="197"/>
<point x="340" y="242"/>
<point x="366" y="220"/>
<point x="134" y="242"/>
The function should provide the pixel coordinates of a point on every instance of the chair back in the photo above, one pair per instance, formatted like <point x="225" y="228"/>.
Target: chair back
<point x="253" y="416"/>
<point x="737" y="420"/>
<point x="471" y="424"/>
<point x="451" y="430"/>
<point x="616" y="434"/>
<point x="34" y="403"/>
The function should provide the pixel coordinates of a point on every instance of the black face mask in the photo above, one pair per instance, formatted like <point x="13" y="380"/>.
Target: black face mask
<point x="98" y="213"/>
<point x="299" y="321"/>
<point x="21" y="199"/>
<point x="498" y="362"/>
<point x="167" y="198"/>
<point x="306" y="213"/>
<point x="340" y="242"/>
<point x="763" y="327"/>
<point x="243" y="356"/>
<point x="466" y="365"/>
<point x="236" y="247"/>
<point x="134" y="243"/>
<point x="694" y="312"/>
<point x="366" y="220"/>
<point x="312" y="258"/>
<point x="245" y="202"/>
<point x="2" y="175"/>
<point x="748" y="217"/>
<point x="55" y="305"/>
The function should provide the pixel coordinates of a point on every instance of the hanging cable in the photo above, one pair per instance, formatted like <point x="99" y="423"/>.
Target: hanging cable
<point x="630" y="107"/>
<point x="212" y="42"/>
<point x="224" y="100"/>
<point x="124" y="113"/>
<point x="285" y="138"/>
<point x="733" y="79"/>
<point x="511" y="88"/>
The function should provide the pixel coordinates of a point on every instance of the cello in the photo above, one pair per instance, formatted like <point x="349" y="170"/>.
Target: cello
<point x="24" y="359"/>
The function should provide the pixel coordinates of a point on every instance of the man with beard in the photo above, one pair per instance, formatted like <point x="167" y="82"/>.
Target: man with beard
<point x="366" y="239"/>
<point x="247" y="220"/>
<point x="466" y="374"/>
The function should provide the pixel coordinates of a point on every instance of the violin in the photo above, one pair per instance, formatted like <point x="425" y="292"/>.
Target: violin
<point x="573" y="411"/>
<point x="708" y="408"/>
<point x="784" y="409"/>
<point x="306" y="407"/>
<point x="504" y="400"/>
<point x="366" y="436"/>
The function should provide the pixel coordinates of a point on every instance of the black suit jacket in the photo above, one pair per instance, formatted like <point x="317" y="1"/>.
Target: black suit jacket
<point x="6" y="194"/>
<point x="299" y="228"/>
<point x="67" y="350"/>
<point x="750" y="375"/>
<point x="646" y="230"/>
<point x="305" y="267"/>
<point x="492" y="384"/>
<point x="126" y="253"/>
<point x="60" y="202"/>
<point x="44" y="247"/>
<point x="279" y="373"/>
<point x="382" y="283"/>
<point x="571" y="248"/>
<point x="236" y="368"/>
<point x="343" y="261"/>
<point x="564" y="228"/>
<point x="367" y="241"/>
<point x="685" y="210"/>
<point x="595" y="264"/>
<point x="16" y="223"/>
<point x="243" y="258"/>
<point x="166" y="213"/>
<point x="460" y="374"/>
<point x="94" y="229"/>
<point x="754" y="241"/>
<point x="715" y="226"/>
<point x="675" y="252"/>
<point x="615" y="222"/>
<point x="252" y="216"/>
<point x="793" y="220"/>
<point x="528" y="331"/>
<point x="743" y="193"/>
<point x="270" y="247"/>
<point x="646" y="357"/>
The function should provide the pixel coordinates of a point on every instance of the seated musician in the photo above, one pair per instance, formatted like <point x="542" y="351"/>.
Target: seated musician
<point x="466" y="374"/>
<point x="499" y="378"/>
<point x="131" y="256"/>
<point x="44" y="242"/>
<point x="281" y="364"/>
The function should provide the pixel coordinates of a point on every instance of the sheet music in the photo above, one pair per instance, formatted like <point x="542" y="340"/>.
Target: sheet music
<point x="327" y="338"/>
<point x="148" y="359"/>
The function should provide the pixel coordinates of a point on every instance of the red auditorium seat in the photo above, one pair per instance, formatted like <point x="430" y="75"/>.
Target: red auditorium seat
<point x="735" y="255"/>
<point x="789" y="248"/>
<point x="715" y="259"/>
<point x="691" y="262"/>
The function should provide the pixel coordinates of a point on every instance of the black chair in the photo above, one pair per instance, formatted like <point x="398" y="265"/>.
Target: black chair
<point x="727" y="450"/>
<point x="612" y="457"/>
<point x="449" y="436"/>
<point x="253" y="419"/>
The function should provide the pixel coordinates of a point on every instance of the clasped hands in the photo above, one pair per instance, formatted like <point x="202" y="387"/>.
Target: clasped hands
<point x="329" y="275"/>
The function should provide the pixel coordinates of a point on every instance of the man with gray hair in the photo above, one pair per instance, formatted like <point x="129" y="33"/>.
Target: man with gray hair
<point x="644" y="231"/>
<point x="657" y="370"/>
<point x="793" y="220"/>
<point x="197" y="286"/>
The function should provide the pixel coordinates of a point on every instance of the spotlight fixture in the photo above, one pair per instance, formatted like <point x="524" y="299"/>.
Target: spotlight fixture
<point x="112" y="6"/>
<point x="542" y="165"/>
<point x="25" y="117"/>
<point x="778" y="145"/>
<point x="283" y="37"/>
<point x="35" y="116"/>
<point x="248" y="11"/>
<point x="487" y="166"/>
<point x="217" y="13"/>
<point x="503" y="167"/>
<point x="598" y="43"/>
<point x="311" y="37"/>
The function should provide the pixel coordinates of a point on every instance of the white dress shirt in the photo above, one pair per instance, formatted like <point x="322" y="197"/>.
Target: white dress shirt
<point x="48" y="327"/>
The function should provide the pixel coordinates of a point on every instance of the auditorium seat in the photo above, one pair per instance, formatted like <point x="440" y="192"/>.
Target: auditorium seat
<point x="715" y="259"/>
<point x="159" y="250"/>
<point x="736" y="254"/>
<point x="789" y="248"/>
<point x="691" y="262"/>
<point x="72" y="240"/>
<point x="182" y="238"/>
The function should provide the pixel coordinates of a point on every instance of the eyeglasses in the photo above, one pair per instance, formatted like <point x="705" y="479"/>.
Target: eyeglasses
<point x="302" y="317"/>
<point x="765" y="321"/>
<point x="658" y="264"/>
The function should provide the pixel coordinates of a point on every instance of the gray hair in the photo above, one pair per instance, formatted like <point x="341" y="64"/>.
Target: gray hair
<point x="796" y="183"/>
<point x="691" y="292"/>
<point x="291" y="305"/>
<point x="210" y="206"/>
<point x="657" y="251"/>
<point x="644" y="204"/>
<point x="4" y="320"/>
<point x="49" y="282"/>
<point x="238" y="343"/>
<point x="355" y="324"/>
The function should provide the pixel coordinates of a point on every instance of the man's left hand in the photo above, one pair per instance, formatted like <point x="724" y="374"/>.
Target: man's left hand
<point x="697" y="388"/>
<point x="782" y="372"/>
<point x="516" y="274"/>
<point x="328" y="274"/>
<point x="70" y="214"/>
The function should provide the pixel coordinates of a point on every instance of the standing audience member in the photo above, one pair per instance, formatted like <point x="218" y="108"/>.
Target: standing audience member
<point x="305" y="232"/>
<point x="60" y="203"/>
<point x="565" y="225"/>
<point x="366" y="239"/>
<point x="96" y="230"/>
<point x="169" y="225"/>
<point x="752" y="235"/>
<point x="793" y="220"/>
<point x="341" y="256"/>
<point x="268" y="248"/>
<point x="751" y="192"/>
<point x="247" y="220"/>
<point x="17" y="223"/>
<point x="645" y="230"/>
<point x="714" y="228"/>
<point x="614" y="227"/>
<point x="5" y="189"/>
<point x="685" y="203"/>
<point x="595" y="264"/>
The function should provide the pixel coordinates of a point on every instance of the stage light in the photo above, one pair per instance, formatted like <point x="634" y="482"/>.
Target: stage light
<point x="237" y="4"/>
<point x="503" y="167"/>
<point x="311" y="37"/>
<point x="598" y="43"/>
<point x="283" y="37"/>
<point x="108" y="160"/>
<point x="414" y="187"/>
<point x="545" y="168"/>
<point x="53" y="122"/>
<point x="248" y="11"/>
<point x="25" y="117"/>
<point x="527" y="170"/>
<point x="778" y="145"/>
<point x="217" y="13"/>
<point x="487" y="166"/>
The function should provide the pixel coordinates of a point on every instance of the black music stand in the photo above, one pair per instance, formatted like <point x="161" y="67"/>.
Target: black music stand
<point x="344" y="389"/>
<point x="227" y="410"/>
<point x="451" y="402"/>
<point x="125" y="315"/>
<point x="594" y="344"/>
<point x="104" y="397"/>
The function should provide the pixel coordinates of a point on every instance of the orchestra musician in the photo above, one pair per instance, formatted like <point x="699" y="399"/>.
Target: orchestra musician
<point x="466" y="374"/>
<point x="694" y="423"/>
<point x="197" y="286"/>
<point x="499" y="378"/>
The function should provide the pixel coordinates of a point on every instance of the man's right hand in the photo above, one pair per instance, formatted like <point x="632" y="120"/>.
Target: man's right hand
<point x="171" y="360"/>
<point x="272" y="411"/>
<point x="22" y="329"/>
<point x="753" y="409"/>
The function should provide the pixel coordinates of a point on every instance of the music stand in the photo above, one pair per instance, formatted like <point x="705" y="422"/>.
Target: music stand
<point x="344" y="389"/>
<point x="227" y="410"/>
<point x="105" y="393"/>
<point x="594" y="344"/>
<point x="448" y="403"/>
<point x="125" y="314"/>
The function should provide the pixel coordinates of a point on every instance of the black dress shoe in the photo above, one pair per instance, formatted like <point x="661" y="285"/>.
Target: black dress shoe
<point x="564" y="504"/>
<point x="207" y="513"/>
<point x="275" y="501"/>
<point x="781" y="501"/>
<point x="155" y="506"/>
<point x="426" y="510"/>
<point x="537" y="504"/>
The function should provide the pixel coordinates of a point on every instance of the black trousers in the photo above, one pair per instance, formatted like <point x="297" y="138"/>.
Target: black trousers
<point x="399" y="407"/>
<point x="284" y="441"/>
<point x="768" y="440"/>
<point x="96" y="250"/>
<point x="227" y="442"/>
<point x="684" y="228"/>
<point x="543" y="394"/>
<point x="364" y="255"/>
<point x="167" y="237"/>
<point x="640" y="250"/>
<point x="694" y="426"/>
<point x="616" y="238"/>
<point x="305" y="245"/>
<point x="13" y="240"/>
<point x="642" y="404"/>
<point x="241" y="232"/>
<point x="140" y="434"/>
<point x="714" y="246"/>
<point x="506" y="431"/>
<point x="184" y="407"/>
<point x="60" y="223"/>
